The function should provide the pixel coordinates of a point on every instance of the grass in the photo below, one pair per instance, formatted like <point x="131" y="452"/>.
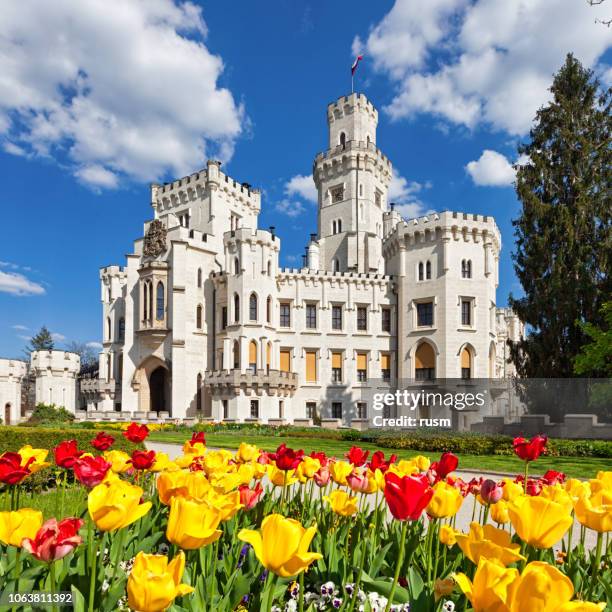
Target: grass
<point x="49" y="502"/>
<point x="574" y="467"/>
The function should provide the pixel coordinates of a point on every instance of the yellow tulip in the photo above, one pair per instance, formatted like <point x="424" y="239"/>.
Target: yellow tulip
<point x="118" y="460"/>
<point x="603" y="481"/>
<point x="185" y="460"/>
<point x="488" y="542"/>
<point x="113" y="505"/>
<point x="39" y="454"/>
<point x="339" y="470"/>
<point x="246" y="452"/>
<point x="170" y="484"/>
<point x="405" y="467"/>
<point x="260" y="470"/>
<point x="422" y="462"/>
<point x="582" y="606"/>
<point x="539" y="521"/>
<point x="448" y="535"/>
<point x="557" y="494"/>
<point x="197" y="449"/>
<point x="489" y="591"/>
<point x="192" y="524"/>
<point x="227" y="504"/>
<point x="280" y="477"/>
<point x="499" y="512"/>
<point x="511" y="489"/>
<point x="15" y="526"/>
<point x="217" y="462"/>
<point x="342" y="503"/>
<point x="153" y="583"/>
<point x="162" y="463"/>
<point x="198" y="486"/>
<point x="446" y="500"/>
<point x="246" y="471"/>
<point x="224" y="483"/>
<point x="281" y="545"/>
<point x="596" y="517"/>
<point x="577" y="488"/>
<point x="307" y="468"/>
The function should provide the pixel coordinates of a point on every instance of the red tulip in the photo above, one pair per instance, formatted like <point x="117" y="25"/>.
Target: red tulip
<point x="441" y="469"/>
<point x="552" y="477"/>
<point x="197" y="437"/>
<point x="249" y="497"/>
<point x="142" y="460"/>
<point x="322" y="476"/>
<point x="378" y="461"/>
<point x="102" y="441"/>
<point x="491" y="492"/>
<point x="136" y="433"/>
<point x="460" y="484"/>
<point x="475" y="484"/>
<point x="357" y="456"/>
<point x="54" y="540"/>
<point x="529" y="450"/>
<point x="91" y="471"/>
<point x="321" y="456"/>
<point x="11" y="470"/>
<point x="287" y="458"/>
<point x="66" y="453"/>
<point x="407" y="496"/>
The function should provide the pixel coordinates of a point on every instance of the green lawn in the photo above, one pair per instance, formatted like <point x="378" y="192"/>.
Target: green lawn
<point x="576" y="467"/>
<point x="75" y="502"/>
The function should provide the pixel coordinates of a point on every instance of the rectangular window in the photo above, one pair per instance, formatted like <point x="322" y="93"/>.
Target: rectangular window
<point x="311" y="410"/>
<point x="362" y="367"/>
<point x="311" y="316"/>
<point x="311" y="366"/>
<point x="362" y="318"/>
<point x="385" y="366"/>
<point x="285" y="314"/>
<point x="386" y="320"/>
<point x="254" y="409"/>
<point x="337" y="367"/>
<point x="466" y="312"/>
<point x="337" y="318"/>
<point x="425" y="373"/>
<point x="281" y="409"/>
<point x="336" y="410"/>
<point x="223" y="317"/>
<point x="362" y="410"/>
<point x="378" y="198"/>
<point x="285" y="360"/>
<point x="425" y="314"/>
<point x="118" y="407"/>
<point x="225" y="409"/>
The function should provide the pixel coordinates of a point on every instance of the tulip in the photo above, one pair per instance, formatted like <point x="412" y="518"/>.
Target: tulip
<point x="321" y="456"/>
<point x="499" y="512"/>
<point x="246" y="472"/>
<point x="407" y="497"/>
<point x="489" y="543"/>
<point x="445" y="501"/>
<point x="280" y="478"/>
<point x="102" y="441"/>
<point x="39" y="455"/>
<point x="529" y="450"/>
<point x="552" y="477"/>
<point x="193" y="449"/>
<point x="322" y="477"/>
<point x="491" y="492"/>
<point x="115" y="505"/>
<point x="136" y="433"/>
<point x="539" y="521"/>
<point x="339" y="470"/>
<point x="12" y="471"/>
<point x="66" y="453"/>
<point x="357" y="456"/>
<point x="170" y="484"/>
<point x="443" y="588"/>
<point x="448" y="463"/>
<point x="307" y="468"/>
<point x="378" y="462"/>
<point x="197" y="438"/>
<point x="559" y="495"/>
<point x="54" y="540"/>
<point x="511" y="489"/>
<point x="287" y="458"/>
<point x="405" y="467"/>
<point x="91" y="471"/>
<point x="448" y="535"/>
<point x="246" y="453"/>
<point x="342" y="503"/>
<point x="281" y="545"/>
<point x="362" y="482"/>
<point x="249" y="497"/>
<point x="228" y="504"/>
<point x="153" y="583"/>
<point x="142" y="460"/>
<point x="15" y="526"/>
<point x="490" y="588"/>
<point x="224" y="483"/>
<point x="192" y="524"/>
<point x="162" y="463"/>
<point x="217" y="461"/>
<point x="592" y="515"/>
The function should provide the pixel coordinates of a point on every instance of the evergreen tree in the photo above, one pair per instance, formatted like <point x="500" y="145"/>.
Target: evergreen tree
<point x="564" y="232"/>
<point x="42" y="341"/>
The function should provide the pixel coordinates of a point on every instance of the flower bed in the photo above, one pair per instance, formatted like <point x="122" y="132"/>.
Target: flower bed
<point x="220" y="530"/>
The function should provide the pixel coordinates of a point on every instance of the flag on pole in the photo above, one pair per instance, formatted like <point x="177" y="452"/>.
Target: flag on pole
<point x="355" y="64"/>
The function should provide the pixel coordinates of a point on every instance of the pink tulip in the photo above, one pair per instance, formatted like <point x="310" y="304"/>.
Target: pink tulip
<point x="54" y="540"/>
<point x="491" y="492"/>
<point x="321" y="477"/>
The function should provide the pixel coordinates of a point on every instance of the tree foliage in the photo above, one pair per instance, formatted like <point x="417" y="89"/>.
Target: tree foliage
<point x="595" y="358"/>
<point x="42" y="341"/>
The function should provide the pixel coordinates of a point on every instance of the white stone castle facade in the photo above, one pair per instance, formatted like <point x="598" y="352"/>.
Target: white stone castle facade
<point x="202" y="322"/>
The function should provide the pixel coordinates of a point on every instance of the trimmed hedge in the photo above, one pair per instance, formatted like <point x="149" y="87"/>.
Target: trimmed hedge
<point x="13" y="438"/>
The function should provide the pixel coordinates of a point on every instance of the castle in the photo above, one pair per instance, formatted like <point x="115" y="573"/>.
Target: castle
<point x="202" y="322"/>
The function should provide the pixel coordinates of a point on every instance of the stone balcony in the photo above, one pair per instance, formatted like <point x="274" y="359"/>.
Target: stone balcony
<point x="278" y="382"/>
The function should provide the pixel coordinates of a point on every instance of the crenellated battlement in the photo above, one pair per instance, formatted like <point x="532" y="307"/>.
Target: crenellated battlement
<point x="345" y="105"/>
<point x="252" y="237"/>
<point x="12" y="369"/>
<point x="56" y="361"/>
<point x="353" y="146"/>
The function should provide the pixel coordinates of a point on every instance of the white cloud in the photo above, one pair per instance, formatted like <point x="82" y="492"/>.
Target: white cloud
<point x="492" y="169"/>
<point x="94" y="345"/>
<point x="290" y="207"/>
<point x="129" y="91"/>
<point x="404" y="194"/>
<point x="58" y="337"/>
<point x="15" y="283"/>
<point x="493" y="61"/>
<point x="302" y="186"/>
<point x="20" y="327"/>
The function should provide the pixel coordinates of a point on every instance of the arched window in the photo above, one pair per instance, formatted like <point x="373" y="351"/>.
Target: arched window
<point x="108" y="329"/>
<point x="159" y="307"/>
<point x="199" y="316"/>
<point x="108" y="368"/>
<point x="108" y="295"/>
<point x="199" y="392"/>
<point x="236" y="308"/>
<point x="335" y="265"/>
<point x="253" y="307"/>
<point x="150" y="301"/>
<point x="368" y="140"/>
<point x="342" y="138"/>
<point x="466" y="268"/>
<point x="425" y="362"/>
<point x="268" y="355"/>
<point x="428" y="270"/>
<point x="199" y="277"/>
<point x="492" y="360"/>
<point x="466" y="363"/>
<point x="339" y="226"/>
<point x="269" y="309"/>
<point x="121" y="329"/>
<point x="421" y="275"/>
<point x="253" y="356"/>
<point x="334" y="228"/>
<point x="360" y="189"/>
<point x="236" y="355"/>
<point x="145" y="301"/>
<point x="269" y="268"/>
<point x="120" y="366"/>
<point x="236" y="265"/>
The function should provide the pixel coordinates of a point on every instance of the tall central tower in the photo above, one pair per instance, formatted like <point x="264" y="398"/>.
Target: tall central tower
<point x="352" y="179"/>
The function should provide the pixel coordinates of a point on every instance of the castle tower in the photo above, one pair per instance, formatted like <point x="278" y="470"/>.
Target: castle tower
<point x="352" y="179"/>
<point x="56" y="377"/>
<point x="12" y="372"/>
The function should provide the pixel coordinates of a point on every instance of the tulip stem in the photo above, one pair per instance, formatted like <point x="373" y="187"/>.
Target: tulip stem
<point x="301" y="593"/>
<point x="526" y="476"/>
<point x="53" y="582"/>
<point x="120" y="552"/>
<point x="595" y="565"/>
<point x="400" y="559"/>
<point x="92" y="576"/>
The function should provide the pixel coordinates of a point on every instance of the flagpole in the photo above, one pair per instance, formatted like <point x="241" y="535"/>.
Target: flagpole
<point x="352" y="82"/>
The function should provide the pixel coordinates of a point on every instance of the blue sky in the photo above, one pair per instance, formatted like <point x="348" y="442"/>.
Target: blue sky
<point x="95" y="104"/>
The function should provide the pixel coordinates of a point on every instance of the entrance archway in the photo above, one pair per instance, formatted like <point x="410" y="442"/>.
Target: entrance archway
<point x="7" y="414"/>
<point x="157" y="386"/>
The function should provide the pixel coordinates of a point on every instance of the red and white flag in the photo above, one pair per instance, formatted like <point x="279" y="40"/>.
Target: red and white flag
<point x="355" y="64"/>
